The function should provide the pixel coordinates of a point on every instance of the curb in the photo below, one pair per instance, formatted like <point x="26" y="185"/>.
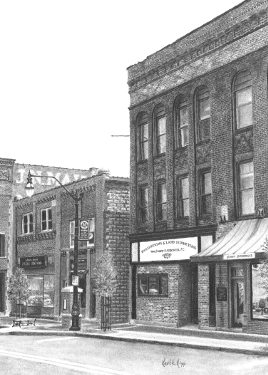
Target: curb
<point x="108" y="336"/>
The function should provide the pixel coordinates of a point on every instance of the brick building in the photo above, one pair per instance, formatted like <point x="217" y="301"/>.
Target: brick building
<point x="12" y="186"/>
<point x="199" y="175"/>
<point x="44" y="242"/>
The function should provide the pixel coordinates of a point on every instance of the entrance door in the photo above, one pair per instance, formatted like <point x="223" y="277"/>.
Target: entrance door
<point x="238" y="302"/>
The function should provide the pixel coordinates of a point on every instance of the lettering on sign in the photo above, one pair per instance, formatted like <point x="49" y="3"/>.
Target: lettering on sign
<point x="239" y="256"/>
<point x="168" y="250"/>
<point x="33" y="262"/>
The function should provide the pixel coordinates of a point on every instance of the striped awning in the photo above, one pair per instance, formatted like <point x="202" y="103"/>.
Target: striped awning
<point x="244" y="241"/>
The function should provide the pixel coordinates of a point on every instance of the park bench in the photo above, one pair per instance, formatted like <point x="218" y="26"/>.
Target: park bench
<point x="18" y="322"/>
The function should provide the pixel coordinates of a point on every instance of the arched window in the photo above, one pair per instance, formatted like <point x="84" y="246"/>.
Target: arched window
<point x="243" y="99"/>
<point x="182" y="122"/>
<point x="142" y="137"/>
<point x="160" y="130"/>
<point x="203" y="113"/>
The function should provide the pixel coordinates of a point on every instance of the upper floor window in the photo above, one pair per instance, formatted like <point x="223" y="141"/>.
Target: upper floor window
<point x="46" y="219"/>
<point x="246" y="188"/>
<point x="142" y="142"/>
<point x="243" y="99"/>
<point x="183" y="196"/>
<point x="205" y="193"/>
<point x="143" y="204"/>
<point x="2" y="245"/>
<point x="182" y="123"/>
<point x="161" y="201"/>
<point x="203" y="113"/>
<point x="160" y="130"/>
<point x="27" y="223"/>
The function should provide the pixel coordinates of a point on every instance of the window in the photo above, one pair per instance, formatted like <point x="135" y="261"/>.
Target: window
<point x="205" y="193"/>
<point x="246" y="188"/>
<point x="143" y="138"/>
<point x="2" y="245"/>
<point x="160" y="130"/>
<point x="153" y="285"/>
<point x="182" y="123"/>
<point x="161" y="201"/>
<point x="42" y="290"/>
<point x="46" y="219"/>
<point x="243" y="99"/>
<point x="27" y="223"/>
<point x="259" y="305"/>
<point x="183" y="197"/>
<point x="143" y="204"/>
<point x="203" y="114"/>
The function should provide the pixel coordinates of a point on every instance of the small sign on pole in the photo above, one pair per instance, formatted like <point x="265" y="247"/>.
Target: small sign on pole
<point x="75" y="280"/>
<point x="84" y="230"/>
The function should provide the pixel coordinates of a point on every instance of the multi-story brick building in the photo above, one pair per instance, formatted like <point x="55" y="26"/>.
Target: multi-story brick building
<point x="44" y="242"/>
<point x="12" y="186"/>
<point x="199" y="174"/>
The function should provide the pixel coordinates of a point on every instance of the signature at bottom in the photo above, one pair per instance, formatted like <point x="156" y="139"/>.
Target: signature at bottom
<point x="173" y="362"/>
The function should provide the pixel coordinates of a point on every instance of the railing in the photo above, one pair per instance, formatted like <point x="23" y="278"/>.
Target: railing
<point x="106" y="304"/>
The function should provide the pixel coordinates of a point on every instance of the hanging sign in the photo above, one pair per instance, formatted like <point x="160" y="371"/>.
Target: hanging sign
<point x="84" y="232"/>
<point x="168" y="250"/>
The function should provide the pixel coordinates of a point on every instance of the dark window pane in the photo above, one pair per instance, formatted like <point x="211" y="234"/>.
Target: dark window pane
<point x="143" y="286"/>
<point x="153" y="285"/>
<point x="164" y="285"/>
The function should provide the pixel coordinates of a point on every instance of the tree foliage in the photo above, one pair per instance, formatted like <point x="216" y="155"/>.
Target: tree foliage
<point x="104" y="276"/>
<point x="264" y="267"/>
<point x="18" y="287"/>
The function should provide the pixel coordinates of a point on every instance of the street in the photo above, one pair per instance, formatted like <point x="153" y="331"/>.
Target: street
<point x="55" y="355"/>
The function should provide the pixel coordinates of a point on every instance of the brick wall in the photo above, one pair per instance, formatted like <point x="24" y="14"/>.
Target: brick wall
<point x="222" y="307"/>
<point x="203" y="295"/>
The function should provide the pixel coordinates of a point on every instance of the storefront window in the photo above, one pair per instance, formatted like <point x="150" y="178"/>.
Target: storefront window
<point x="259" y="274"/>
<point x="153" y="285"/>
<point x="42" y="291"/>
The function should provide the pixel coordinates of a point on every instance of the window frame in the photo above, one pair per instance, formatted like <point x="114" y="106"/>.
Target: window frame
<point x="160" y="114"/>
<point x="180" y="199"/>
<point x="159" y="277"/>
<point x="2" y="245"/>
<point x="202" y="193"/>
<point x="142" y="154"/>
<point x="143" y="208"/>
<point x="240" y="87"/>
<point x="201" y="123"/>
<point x="239" y="190"/>
<point x="48" y="221"/>
<point x="162" y="203"/>
<point x="28" y="224"/>
<point x="181" y="104"/>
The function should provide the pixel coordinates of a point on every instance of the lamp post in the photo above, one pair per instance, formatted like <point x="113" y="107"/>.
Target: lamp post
<point x="75" y="307"/>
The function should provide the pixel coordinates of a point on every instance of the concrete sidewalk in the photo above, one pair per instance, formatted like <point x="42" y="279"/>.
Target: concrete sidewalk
<point x="188" y="338"/>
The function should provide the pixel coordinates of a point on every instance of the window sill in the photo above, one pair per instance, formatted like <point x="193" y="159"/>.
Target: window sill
<point x="242" y="130"/>
<point x="203" y="142"/>
<point x="181" y="148"/>
<point x="159" y="156"/>
<point x="142" y="162"/>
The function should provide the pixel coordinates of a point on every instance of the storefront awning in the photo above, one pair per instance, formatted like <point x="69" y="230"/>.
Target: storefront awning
<point x="244" y="241"/>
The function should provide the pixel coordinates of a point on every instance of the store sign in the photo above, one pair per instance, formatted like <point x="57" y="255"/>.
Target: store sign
<point x="168" y="250"/>
<point x="239" y="256"/>
<point x="33" y="262"/>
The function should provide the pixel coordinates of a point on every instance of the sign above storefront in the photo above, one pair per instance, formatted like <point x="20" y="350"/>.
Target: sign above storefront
<point x="168" y="250"/>
<point x="238" y="256"/>
<point x="34" y="262"/>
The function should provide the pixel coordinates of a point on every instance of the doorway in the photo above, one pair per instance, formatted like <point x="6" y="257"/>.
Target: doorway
<point x="238" y="296"/>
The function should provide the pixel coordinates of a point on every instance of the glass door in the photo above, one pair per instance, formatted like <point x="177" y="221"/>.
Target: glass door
<point x="238" y="302"/>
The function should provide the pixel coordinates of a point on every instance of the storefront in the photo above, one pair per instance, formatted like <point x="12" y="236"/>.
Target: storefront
<point x="233" y="281"/>
<point x="164" y="282"/>
<point x="41" y="276"/>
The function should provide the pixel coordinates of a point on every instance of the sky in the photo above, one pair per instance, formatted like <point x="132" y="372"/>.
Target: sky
<point x="63" y="74"/>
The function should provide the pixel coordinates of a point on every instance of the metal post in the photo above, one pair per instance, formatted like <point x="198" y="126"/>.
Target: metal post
<point x="75" y="308"/>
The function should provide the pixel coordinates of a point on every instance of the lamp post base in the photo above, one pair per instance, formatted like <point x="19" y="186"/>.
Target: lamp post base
<point x="75" y="318"/>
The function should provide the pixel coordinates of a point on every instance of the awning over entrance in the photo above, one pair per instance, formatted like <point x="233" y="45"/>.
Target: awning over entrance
<point x="244" y="241"/>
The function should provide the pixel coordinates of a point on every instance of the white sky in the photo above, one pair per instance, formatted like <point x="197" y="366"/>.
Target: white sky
<point x="63" y="78"/>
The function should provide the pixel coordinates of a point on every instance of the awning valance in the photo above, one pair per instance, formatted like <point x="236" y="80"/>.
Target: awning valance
<point x="244" y="241"/>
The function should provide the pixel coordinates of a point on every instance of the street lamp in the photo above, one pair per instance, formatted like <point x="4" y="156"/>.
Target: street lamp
<point x="75" y="307"/>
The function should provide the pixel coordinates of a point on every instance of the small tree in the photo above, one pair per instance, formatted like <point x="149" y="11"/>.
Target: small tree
<point x="104" y="276"/>
<point x="18" y="288"/>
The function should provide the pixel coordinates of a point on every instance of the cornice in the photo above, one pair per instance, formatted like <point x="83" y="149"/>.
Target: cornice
<point x="238" y="31"/>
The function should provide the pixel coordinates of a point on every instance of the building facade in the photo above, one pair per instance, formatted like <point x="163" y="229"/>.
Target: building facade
<point x="199" y="175"/>
<point x="13" y="177"/>
<point x="44" y="244"/>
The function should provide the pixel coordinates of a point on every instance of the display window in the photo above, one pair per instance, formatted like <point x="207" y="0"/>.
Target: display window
<point x="259" y="305"/>
<point x="42" y="290"/>
<point x="153" y="285"/>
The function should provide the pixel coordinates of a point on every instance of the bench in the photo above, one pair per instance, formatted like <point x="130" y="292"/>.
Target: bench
<point x="23" y="322"/>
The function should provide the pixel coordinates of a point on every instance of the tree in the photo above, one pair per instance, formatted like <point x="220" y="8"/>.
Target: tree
<point x="104" y="276"/>
<point x="18" y="288"/>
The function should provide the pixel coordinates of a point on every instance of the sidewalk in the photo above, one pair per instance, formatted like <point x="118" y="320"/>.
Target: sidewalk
<point x="181" y="337"/>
